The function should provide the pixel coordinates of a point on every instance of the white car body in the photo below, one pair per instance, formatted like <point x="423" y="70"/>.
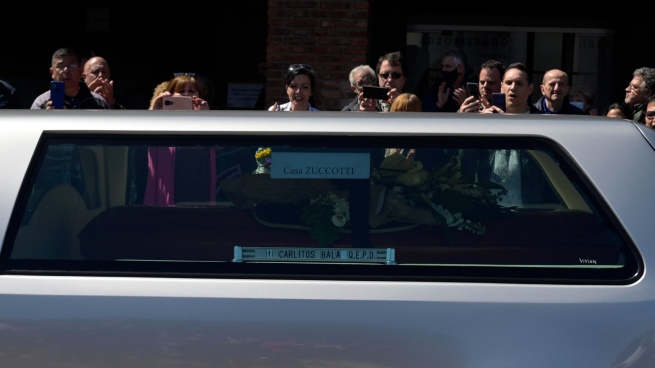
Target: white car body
<point x="96" y="320"/>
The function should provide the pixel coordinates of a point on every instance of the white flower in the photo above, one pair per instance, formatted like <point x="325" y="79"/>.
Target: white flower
<point x="341" y="208"/>
<point x="339" y="220"/>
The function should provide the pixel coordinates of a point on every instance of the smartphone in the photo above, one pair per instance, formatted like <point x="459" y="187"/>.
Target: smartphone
<point x="57" y="90"/>
<point x="178" y="103"/>
<point x="378" y="93"/>
<point x="498" y="99"/>
<point x="473" y="90"/>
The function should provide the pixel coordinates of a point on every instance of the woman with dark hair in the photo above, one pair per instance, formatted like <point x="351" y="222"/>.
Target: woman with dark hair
<point x="300" y="82"/>
<point x="619" y="109"/>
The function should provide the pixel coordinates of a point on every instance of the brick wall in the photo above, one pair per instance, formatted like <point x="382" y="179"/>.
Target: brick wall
<point x="330" y="35"/>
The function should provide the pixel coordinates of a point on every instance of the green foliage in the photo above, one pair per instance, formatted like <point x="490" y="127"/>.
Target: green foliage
<point x="319" y="214"/>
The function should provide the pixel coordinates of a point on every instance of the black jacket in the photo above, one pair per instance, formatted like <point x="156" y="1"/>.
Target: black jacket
<point x="83" y="100"/>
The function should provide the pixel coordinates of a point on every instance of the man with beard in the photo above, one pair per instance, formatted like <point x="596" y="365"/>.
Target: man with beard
<point x="641" y="87"/>
<point x="449" y="93"/>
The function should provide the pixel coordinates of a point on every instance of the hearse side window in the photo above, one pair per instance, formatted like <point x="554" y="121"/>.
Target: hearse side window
<point x="316" y="208"/>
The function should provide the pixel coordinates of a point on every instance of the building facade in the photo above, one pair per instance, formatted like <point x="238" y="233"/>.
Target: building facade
<point x="245" y="47"/>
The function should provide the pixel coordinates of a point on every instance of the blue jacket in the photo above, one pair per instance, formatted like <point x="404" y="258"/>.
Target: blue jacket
<point x="567" y="108"/>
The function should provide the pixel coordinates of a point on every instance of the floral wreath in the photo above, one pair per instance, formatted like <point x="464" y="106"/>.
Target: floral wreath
<point x="452" y="201"/>
<point x="327" y="215"/>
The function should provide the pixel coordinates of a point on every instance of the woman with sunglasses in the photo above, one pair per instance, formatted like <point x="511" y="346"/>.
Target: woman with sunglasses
<point x="183" y="84"/>
<point x="300" y="81"/>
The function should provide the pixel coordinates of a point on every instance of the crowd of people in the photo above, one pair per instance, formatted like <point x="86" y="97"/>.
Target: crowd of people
<point x="514" y="82"/>
<point x="88" y="85"/>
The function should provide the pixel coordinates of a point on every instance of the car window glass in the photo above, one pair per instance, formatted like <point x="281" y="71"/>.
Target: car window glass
<point x="317" y="207"/>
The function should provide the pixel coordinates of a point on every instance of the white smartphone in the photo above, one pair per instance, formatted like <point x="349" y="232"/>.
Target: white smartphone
<point x="178" y="103"/>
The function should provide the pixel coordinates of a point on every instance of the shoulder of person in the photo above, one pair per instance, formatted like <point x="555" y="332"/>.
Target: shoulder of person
<point x="535" y="110"/>
<point x="4" y="85"/>
<point x="41" y="100"/>
<point x="102" y="103"/>
<point x="574" y="110"/>
<point x="539" y="105"/>
<point x="118" y="106"/>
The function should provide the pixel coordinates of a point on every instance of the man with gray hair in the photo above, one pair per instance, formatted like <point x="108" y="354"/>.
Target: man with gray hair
<point x="641" y="87"/>
<point x="360" y="76"/>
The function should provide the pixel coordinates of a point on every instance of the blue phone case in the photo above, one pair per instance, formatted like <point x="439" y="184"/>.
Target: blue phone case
<point x="57" y="90"/>
<point x="499" y="100"/>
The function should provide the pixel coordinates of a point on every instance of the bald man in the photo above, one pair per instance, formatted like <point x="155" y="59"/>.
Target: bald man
<point x="98" y="78"/>
<point x="555" y="91"/>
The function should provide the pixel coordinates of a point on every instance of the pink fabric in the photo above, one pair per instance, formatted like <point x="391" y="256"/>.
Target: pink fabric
<point x="212" y="176"/>
<point x="160" y="185"/>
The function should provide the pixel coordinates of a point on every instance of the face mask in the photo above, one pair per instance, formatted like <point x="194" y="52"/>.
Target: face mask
<point x="449" y="77"/>
<point x="578" y="104"/>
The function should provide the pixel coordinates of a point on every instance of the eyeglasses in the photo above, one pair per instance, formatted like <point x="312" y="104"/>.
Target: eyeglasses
<point x="364" y="82"/>
<point x="181" y="74"/>
<point x="307" y="67"/>
<point x="69" y="66"/>
<point x="633" y="87"/>
<point x="650" y="115"/>
<point x="394" y="75"/>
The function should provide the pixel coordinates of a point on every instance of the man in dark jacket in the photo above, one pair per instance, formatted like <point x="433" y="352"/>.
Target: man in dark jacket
<point x="97" y="76"/>
<point x="448" y="93"/>
<point x="66" y="68"/>
<point x="360" y="76"/>
<point x="640" y="88"/>
<point x="555" y="91"/>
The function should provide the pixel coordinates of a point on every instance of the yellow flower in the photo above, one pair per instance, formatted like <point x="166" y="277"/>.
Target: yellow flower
<point x="262" y="153"/>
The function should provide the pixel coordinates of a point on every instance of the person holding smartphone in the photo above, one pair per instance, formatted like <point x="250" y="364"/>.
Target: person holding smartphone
<point x="180" y="174"/>
<point x="359" y="77"/>
<point x="66" y="68"/>
<point x="392" y="75"/>
<point x="517" y="87"/>
<point x="491" y="74"/>
<point x="182" y="84"/>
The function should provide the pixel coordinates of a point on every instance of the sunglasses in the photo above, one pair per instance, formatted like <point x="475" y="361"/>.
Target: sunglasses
<point x="307" y="67"/>
<point x="394" y="75"/>
<point x="181" y="74"/>
<point x="650" y="115"/>
<point x="69" y="67"/>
